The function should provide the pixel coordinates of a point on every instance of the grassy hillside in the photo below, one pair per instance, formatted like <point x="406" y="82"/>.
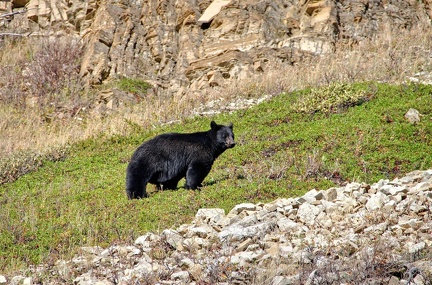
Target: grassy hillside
<point x="316" y="138"/>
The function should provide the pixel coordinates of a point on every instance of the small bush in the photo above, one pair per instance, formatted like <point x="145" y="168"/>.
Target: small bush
<point x="134" y="86"/>
<point x="53" y="70"/>
<point x="13" y="167"/>
<point x="49" y="73"/>
<point x="331" y="99"/>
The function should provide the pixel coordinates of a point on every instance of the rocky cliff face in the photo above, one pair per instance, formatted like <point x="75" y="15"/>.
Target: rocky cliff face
<point x="188" y="46"/>
<point x="357" y="234"/>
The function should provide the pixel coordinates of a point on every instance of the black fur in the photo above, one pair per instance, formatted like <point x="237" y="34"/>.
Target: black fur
<point x="167" y="158"/>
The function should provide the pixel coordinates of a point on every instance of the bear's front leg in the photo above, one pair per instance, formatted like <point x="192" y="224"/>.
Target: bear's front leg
<point x="135" y="183"/>
<point x="195" y="175"/>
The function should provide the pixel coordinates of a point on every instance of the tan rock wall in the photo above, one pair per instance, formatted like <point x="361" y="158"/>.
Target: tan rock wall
<point x="161" y="41"/>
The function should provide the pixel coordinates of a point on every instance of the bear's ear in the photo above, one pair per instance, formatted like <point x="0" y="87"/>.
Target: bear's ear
<point x="213" y="125"/>
<point x="230" y="126"/>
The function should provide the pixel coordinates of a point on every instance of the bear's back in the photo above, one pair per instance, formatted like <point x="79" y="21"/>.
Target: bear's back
<point x="192" y="139"/>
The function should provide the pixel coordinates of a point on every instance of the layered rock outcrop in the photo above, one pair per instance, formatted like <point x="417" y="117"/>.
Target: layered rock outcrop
<point x="165" y="42"/>
<point x="357" y="234"/>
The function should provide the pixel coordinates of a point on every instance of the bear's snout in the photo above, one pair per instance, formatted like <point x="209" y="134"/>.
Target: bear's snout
<point x="230" y="143"/>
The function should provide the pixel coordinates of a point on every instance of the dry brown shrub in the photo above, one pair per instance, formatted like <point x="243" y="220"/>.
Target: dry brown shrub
<point x="45" y="70"/>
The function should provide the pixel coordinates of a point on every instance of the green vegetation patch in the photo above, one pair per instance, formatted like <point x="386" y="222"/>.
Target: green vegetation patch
<point x="134" y="86"/>
<point x="281" y="151"/>
<point x="334" y="98"/>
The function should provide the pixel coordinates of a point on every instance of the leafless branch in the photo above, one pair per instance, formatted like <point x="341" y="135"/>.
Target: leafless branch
<point x="15" y="13"/>
<point x="15" y="34"/>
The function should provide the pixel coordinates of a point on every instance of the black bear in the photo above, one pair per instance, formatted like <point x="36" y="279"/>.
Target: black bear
<point x="167" y="158"/>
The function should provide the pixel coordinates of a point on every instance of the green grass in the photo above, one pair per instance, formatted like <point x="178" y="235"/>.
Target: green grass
<point x="282" y="151"/>
<point x="134" y="86"/>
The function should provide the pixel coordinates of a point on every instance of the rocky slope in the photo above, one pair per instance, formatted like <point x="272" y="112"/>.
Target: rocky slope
<point x="187" y="46"/>
<point x="357" y="234"/>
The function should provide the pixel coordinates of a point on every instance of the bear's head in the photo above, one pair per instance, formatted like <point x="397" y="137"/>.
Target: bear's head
<point x="224" y="135"/>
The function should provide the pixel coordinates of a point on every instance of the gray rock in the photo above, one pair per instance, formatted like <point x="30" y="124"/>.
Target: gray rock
<point x="173" y="239"/>
<point x="415" y="248"/>
<point x="238" y="233"/>
<point x="376" y="201"/>
<point x="203" y="231"/>
<point x="209" y="216"/>
<point x="245" y="257"/>
<point x="181" y="275"/>
<point x="307" y="213"/>
<point x="242" y="207"/>
<point x="288" y="225"/>
<point x="413" y="116"/>
<point x="284" y="280"/>
<point x="313" y="195"/>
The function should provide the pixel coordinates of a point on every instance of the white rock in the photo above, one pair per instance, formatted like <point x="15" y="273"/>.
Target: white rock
<point x="248" y="221"/>
<point x="103" y="282"/>
<point x="307" y="213"/>
<point x="378" y="229"/>
<point x="2" y="279"/>
<point x="105" y="253"/>
<point x="196" y="272"/>
<point x="286" y="225"/>
<point x="389" y="206"/>
<point x="284" y="280"/>
<point x="203" y="231"/>
<point x="380" y="184"/>
<point x="331" y="194"/>
<point x="133" y="251"/>
<point x="84" y="279"/>
<point x="313" y="195"/>
<point x="414" y="248"/>
<point x="353" y="186"/>
<point x="143" y="268"/>
<point x="92" y="249"/>
<point x="279" y="280"/>
<point x="21" y="280"/>
<point x="210" y="216"/>
<point x="143" y="240"/>
<point x="243" y="245"/>
<point x="270" y="207"/>
<point x="181" y="275"/>
<point x="237" y="232"/>
<point x="346" y="205"/>
<point x="194" y="243"/>
<point x="377" y="201"/>
<point x="329" y="207"/>
<point x="398" y="190"/>
<point x="186" y="262"/>
<point x="421" y="187"/>
<point x="405" y="222"/>
<point x="244" y="257"/>
<point x="173" y="238"/>
<point x="286" y="250"/>
<point x="282" y="202"/>
<point x="242" y="207"/>
<point x="412" y="115"/>
<point x="415" y="208"/>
